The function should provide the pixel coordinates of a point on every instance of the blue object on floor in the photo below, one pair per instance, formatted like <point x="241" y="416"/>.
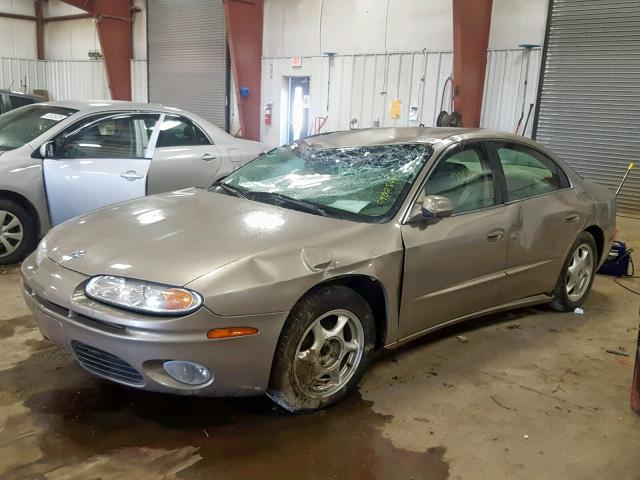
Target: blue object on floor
<point x="618" y="260"/>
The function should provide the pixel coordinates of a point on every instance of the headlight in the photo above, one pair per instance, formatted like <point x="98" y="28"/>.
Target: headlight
<point x="142" y="296"/>
<point x="41" y="252"/>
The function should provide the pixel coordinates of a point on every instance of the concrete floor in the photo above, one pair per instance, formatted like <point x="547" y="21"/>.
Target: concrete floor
<point x="531" y="394"/>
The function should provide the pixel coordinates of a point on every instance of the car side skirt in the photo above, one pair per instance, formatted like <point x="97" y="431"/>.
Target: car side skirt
<point x="523" y="302"/>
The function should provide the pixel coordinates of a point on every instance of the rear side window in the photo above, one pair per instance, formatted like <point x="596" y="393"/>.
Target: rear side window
<point x="529" y="173"/>
<point x="180" y="132"/>
<point x="18" y="101"/>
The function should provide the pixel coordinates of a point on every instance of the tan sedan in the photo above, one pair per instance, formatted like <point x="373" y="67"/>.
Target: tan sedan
<point x="287" y="275"/>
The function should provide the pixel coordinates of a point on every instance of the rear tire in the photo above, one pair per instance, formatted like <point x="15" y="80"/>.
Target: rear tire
<point x="18" y="232"/>
<point x="577" y="275"/>
<point x="323" y="350"/>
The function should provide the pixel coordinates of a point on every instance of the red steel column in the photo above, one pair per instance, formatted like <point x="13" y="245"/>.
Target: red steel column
<point x="113" y="19"/>
<point x="471" y="25"/>
<point x="244" y="34"/>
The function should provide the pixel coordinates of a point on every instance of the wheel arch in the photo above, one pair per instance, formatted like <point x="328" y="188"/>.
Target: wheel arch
<point x="374" y="293"/>
<point x="598" y="235"/>
<point x="26" y="204"/>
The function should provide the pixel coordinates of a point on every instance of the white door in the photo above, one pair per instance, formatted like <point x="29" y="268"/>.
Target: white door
<point x="184" y="156"/>
<point x="99" y="161"/>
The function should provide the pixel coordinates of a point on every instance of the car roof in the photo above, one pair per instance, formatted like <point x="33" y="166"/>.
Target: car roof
<point x="398" y="135"/>
<point x="21" y="94"/>
<point x="88" y="106"/>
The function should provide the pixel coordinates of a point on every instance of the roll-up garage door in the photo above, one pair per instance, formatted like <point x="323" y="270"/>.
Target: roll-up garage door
<point x="589" y="102"/>
<point x="187" y="56"/>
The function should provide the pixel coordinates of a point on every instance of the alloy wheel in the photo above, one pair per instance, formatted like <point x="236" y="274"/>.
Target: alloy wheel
<point x="11" y="233"/>
<point x="579" y="272"/>
<point x="329" y="353"/>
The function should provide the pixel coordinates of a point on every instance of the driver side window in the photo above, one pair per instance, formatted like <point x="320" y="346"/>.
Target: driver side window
<point x="120" y="136"/>
<point x="465" y="178"/>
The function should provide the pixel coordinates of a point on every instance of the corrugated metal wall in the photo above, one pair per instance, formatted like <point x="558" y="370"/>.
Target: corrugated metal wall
<point x="362" y="87"/>
<point x="504" y="88"/>
<point x="590" y="102"/>
<point x="68" y="80"/>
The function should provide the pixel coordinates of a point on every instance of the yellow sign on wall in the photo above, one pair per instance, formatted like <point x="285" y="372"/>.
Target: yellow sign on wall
<point x="396" y="108"/>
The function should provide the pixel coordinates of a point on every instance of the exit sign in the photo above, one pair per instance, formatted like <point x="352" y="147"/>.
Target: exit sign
<point x="296" y="61"/>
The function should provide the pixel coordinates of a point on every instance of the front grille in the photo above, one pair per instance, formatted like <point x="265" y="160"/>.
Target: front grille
<point x="105" y="364"/>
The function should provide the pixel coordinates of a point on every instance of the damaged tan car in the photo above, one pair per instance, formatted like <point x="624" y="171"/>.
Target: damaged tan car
<point x="286" y="276"/>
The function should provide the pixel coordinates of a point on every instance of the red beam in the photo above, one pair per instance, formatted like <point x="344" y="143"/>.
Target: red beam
<point x="17" y="16"/>
<point x="39" y="30"/>
<point x="471" y="24"/>
<point x="244" y="34"/>
<point x="62" y="18"/>
<point x="114" y="31"/>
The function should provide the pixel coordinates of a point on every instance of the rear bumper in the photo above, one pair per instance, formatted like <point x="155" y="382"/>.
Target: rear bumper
<point x="240" y="366"/>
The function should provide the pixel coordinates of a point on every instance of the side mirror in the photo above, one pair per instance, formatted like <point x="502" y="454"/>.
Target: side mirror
<point x="431" y="207"/>
<point x="47" y="150"/>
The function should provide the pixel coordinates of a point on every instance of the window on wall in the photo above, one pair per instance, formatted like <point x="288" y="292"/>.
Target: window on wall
<point x="180" y="132"/>
<point x="529" y="173"/>
<point x="465" y="178"/>
<point x="122" y="136"/>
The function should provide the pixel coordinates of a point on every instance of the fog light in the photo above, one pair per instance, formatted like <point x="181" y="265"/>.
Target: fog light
<point x="187" y="372"/>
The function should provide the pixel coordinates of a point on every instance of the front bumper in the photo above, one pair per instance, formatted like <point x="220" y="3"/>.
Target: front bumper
<point x="240" y="366"/>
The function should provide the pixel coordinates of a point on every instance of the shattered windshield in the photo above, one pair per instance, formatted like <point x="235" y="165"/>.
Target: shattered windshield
<point x="367" y="182"/>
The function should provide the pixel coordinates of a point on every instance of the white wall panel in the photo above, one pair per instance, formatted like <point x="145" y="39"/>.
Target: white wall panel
<point x="517" y="22"/>
<point x="362" y="87"/>
<point x="139" y="87"/>
<point x="504" y="88"/>
<point x="68" y="80"/>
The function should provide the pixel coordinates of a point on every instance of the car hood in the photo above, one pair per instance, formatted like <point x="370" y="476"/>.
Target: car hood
<point x="176" y="237"/>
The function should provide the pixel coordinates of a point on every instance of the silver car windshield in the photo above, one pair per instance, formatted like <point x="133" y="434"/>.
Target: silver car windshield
<point x="367" y="182"/>
<point x="22" y="125"/>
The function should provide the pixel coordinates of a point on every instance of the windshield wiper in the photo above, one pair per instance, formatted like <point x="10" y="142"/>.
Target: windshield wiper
<point x="231" y="190"/>
<point x="286" y="200"/>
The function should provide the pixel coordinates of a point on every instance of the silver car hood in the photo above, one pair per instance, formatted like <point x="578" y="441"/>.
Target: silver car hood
<point x="176" y="237"/>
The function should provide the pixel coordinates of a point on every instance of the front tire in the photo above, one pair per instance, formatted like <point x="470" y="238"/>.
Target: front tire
<point x="577" y="275"/>
<point x="18" y="232"/>
<point x="323" y="351"/>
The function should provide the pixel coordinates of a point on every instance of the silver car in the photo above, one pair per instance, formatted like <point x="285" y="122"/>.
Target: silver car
<point x="62" y="159"/>
<point x="287" y="275"/>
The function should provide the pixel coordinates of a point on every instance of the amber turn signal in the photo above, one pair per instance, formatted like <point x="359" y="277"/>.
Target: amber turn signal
<point x="231" y="332"/>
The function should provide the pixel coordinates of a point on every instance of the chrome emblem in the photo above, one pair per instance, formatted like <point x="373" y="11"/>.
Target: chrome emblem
<point x="77" y="254"/>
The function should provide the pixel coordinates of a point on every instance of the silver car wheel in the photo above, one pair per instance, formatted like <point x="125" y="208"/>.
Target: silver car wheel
<point x="11" y="233"/>
<point x="329" y="353"/>
<point x="579" y="272"/>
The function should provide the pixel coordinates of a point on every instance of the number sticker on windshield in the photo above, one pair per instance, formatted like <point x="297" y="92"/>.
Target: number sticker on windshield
<point x="56" y="117"/>
<point x="388" y="188"/>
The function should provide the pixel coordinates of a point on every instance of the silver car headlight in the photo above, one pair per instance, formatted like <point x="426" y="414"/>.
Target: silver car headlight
<point x="145" y="297"/>
<point x="41" y="252"/>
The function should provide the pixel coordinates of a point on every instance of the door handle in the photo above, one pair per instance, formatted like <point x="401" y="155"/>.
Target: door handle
<point x="207" y="157"/>
<point x="495" y="235"/>
<point x="131" y="175"/>
<point x="572" y="217"/>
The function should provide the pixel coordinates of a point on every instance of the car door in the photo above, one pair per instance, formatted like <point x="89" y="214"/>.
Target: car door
<point x="184" y="156"/>
<point x="546" y="219"/>
<point x="453" y="267"/>
<point x="98" y="161"/>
